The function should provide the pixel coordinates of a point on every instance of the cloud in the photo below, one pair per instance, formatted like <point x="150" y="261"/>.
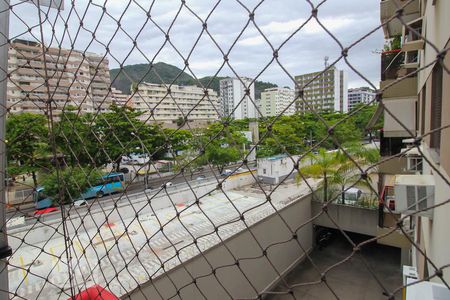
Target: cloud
<point x="347" y="20"/>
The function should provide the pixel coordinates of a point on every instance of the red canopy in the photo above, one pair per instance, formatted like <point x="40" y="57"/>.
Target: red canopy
<point x="95" y="292"/>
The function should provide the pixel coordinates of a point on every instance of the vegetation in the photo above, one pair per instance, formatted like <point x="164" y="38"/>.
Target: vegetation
<point x="66" y="185"/>
<point x="337" y="171"/>
<point x="27" y="146"/>
<point x="86" y="142"/>
<point x="297" y="133"/>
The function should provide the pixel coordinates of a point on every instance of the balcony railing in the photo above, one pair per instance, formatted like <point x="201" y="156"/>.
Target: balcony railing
<point x="391" y="64"/>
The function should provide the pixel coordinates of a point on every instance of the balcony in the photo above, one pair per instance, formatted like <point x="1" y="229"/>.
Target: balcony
<point x="388" y="9"/>
<point x="411" y="40"/>
<point x="394" y="65"/>
<point x="388" y="222"/>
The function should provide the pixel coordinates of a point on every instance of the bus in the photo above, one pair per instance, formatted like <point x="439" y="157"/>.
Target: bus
<point x="108" y="184"/>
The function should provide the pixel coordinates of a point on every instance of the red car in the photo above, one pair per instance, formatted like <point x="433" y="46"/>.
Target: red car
<point x="45" y="211"/>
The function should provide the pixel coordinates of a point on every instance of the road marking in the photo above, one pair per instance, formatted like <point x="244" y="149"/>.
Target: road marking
<point x="24" y="272"/>
<point x="54" y="259"/>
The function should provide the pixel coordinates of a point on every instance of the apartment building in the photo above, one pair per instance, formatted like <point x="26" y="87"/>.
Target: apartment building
<point x="119" y="98"/>
<point x="234" y="99"/>
<point x="169" y="107"/>
<point x="416" y="91"/>
<point x="67" y="77"/>
<point x="359" y="95"/>
<point x="322" y="92"/>
<point x="275" y="101"/>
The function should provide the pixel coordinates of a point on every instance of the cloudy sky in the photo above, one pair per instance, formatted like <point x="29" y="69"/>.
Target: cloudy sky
<point x="251" y="53"/>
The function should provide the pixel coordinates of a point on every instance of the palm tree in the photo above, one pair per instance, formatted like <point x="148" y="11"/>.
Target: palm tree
<point x="321" y="165"/>
<point x="338" y="170"/>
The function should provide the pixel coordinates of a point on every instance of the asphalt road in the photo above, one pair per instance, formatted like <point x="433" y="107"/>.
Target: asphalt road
<point x="155" y="181"/>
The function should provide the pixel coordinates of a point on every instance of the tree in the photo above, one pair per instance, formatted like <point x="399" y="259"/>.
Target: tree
<point x="337" y="169"/>
<point x="189" y="161"/>
<point x="223" y="144"/>
<point x="66" y="185"/>
<point x="179" y="139"/>
<point x="122" y="132"/>
<point x="76" y="138"/>
<point x="27" y="143"/>
<point x="322" y="166"/>
<point x="221" y="156"/>
<point x="344" y="175"/>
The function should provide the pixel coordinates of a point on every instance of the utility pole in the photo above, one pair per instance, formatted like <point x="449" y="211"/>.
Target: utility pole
<point x="5" y="250"/>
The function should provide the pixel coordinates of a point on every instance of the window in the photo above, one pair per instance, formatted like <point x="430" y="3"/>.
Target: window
<point x="436" y="107"/>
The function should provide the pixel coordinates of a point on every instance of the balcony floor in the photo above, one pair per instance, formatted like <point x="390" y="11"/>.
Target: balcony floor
<point x="351" y="280"/>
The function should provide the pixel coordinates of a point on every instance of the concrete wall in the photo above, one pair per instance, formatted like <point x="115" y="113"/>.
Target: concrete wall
<point x="257" y="268"/>
<point x="349" y="218"/>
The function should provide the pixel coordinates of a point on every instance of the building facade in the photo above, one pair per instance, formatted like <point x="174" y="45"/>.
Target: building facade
<point x="234" y="100"/>
<point x="73" y="79"/>
<point x="275" y="101"/>
<point x="119" y="98"/>
<point x="327" y="92"/>
<point x="158" y="105"/>
<point x="415" y="87"/>
<point x="359" y="95"/>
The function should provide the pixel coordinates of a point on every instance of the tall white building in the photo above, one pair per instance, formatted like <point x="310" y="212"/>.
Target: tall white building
<point x="232" y="91"/>
<point x="274" y="101"/>
<point x="359" y="95"/>
<point x="73" y="78"/>
<point x="327" y="92"/>
<point x="158" y="105"/>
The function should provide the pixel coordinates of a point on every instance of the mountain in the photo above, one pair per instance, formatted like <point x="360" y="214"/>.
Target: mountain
<point x="167" y="73"/>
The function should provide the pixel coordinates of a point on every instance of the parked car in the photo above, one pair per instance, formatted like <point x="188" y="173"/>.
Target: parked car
<point x="45" y="211"/>
<point x="200" y="177"/>
<point x="128" y="160"/>
<point x="79" y="203"/>
<point x="140" y="159"/>
<point x="167" y="184"/>
<point x="226" y="172"/>
<point x="352" y="196"/>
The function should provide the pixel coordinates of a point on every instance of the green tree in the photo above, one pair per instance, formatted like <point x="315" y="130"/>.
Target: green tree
<point x="67" y="185"/>
<point x="337" y="170"/>
<point x="223" y="144"/>
<point x="122" y="132"/>
<point x="321" y="166"/>
<point x="75" y="137"/>
<point x="27" y="144"/>
<point x="179" y="139"/>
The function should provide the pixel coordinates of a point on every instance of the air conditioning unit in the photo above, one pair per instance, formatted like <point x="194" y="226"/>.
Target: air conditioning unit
<point x="414" y="193"/>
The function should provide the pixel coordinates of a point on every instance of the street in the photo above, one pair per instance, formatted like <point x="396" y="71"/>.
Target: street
<point x="114" y="245"/>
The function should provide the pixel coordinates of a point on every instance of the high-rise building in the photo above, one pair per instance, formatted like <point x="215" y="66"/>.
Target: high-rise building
<point x="235" y="102"/>
<point x="68" y="77"/>
<point x="275" y="101"/>
<point x="359" y="95"/>
<point x="327" y="92"/>
<point x="169" y="107"/>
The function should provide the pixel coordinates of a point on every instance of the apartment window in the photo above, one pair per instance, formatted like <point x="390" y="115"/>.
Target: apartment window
<point x="436" y="107"/>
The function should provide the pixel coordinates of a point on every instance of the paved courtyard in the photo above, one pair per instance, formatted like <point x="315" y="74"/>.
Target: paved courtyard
<point x="350" y="280"/>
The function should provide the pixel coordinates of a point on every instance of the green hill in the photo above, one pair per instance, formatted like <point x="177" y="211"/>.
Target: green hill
<point x="162" y="72"/>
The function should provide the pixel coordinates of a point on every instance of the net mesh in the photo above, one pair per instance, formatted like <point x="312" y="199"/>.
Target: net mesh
<point x="193" y="183"/>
